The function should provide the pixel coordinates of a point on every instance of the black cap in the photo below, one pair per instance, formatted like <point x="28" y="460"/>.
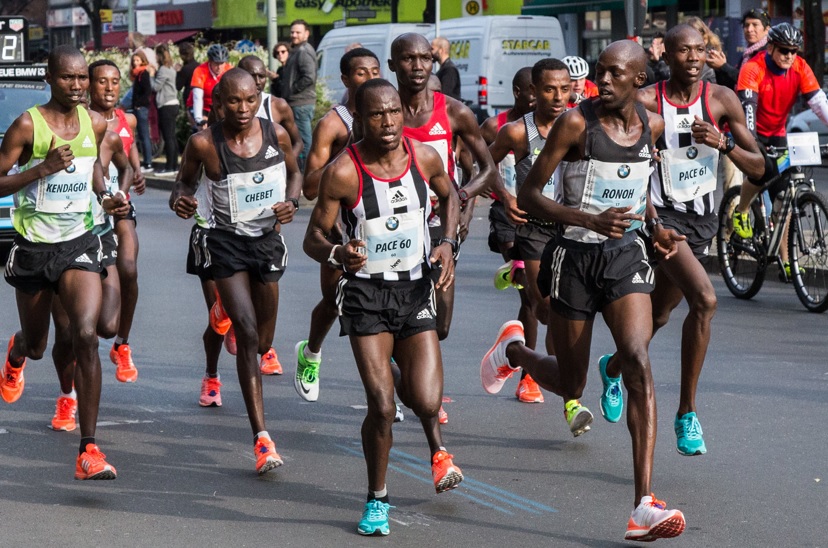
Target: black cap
<point x="757" y="13"/>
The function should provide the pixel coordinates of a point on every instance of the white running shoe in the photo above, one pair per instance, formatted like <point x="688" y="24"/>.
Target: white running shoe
<point x="495" y="368"/>
<point x="651" y="520"/>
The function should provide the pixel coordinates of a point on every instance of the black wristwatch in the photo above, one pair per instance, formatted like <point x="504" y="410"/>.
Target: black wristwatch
<point x="452" y="242"/>
<point x="730" y="144"/>
<point x="103" y="196"/>
<point x="294" y="201"/>
<point x="652" y="223"/>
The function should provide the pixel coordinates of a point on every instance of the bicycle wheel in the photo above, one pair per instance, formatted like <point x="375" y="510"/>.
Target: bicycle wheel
<point x="808" y="249"/>
<point x="742" y="262"/>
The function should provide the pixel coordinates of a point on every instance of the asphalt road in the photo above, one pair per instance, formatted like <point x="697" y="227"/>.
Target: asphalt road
<point x="186" y="474"/>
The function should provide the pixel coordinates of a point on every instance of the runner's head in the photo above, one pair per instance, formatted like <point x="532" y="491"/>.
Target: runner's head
<point x="256" y="68"/>
<point x="685" y="53"/>
<point x="358" y="66"/>
<point x="784" y="41"/>
<point x="522" y="90"/>
<point x="755" y="25"/>
<point x="379" y="113"/>
<point x="239" y="98"/>
<point x="411" y="61"/>
<point x="620" y="71"/>
<point x="552" y="85"/>
<point x="68" y="75"/>
<point x="578" y="71"/>
<point x="104" y="84"/>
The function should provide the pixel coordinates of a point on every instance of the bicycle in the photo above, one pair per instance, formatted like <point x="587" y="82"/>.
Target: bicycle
<point x="743" y="262"/>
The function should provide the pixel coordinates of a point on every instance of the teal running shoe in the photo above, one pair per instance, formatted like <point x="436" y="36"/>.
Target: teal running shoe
<point x="689" y="441"/>
<point x="612" y="398"/>
<point x="374" y="518"/>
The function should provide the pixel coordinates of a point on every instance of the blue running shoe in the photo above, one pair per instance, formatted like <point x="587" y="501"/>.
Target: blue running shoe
<point x="689" y="439"/>
<point x="612" y="398"/>
<point x="374" y="518"/>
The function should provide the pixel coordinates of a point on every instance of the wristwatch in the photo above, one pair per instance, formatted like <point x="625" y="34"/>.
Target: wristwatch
<point x="730" y="144"/>
<point x="332" y="257"/>
<point x="294" y="201"/>
<point x="652" y="222"/>
<point x="103" y="196"/>
<point x="451" y="241"/>
<point x="463" y="195"/>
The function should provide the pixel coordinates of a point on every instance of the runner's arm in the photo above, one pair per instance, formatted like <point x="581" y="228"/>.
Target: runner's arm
<point x="286" y="210"/>
<point x="182" y="198"/>
<point x="324" y="138"/>
<point x="745" y="155"/>
<point x="139" y="184"/>
<point x="17" y="142"/>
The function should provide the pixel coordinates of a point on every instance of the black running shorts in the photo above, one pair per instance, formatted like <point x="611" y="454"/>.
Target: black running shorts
<point x="531" y="239"/>
<point x="109" y="248"/>
<point x="368" y="307"/>
<point x="699" y="229"/>
<point x="501" y="229"/>
<point x="198" y="259"/>
<point x="265" y="257"/>
<point x="33" y="267"/>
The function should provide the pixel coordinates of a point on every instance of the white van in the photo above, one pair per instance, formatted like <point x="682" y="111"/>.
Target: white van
<point x="376" y="38"/>
<point x="489" y="50"/>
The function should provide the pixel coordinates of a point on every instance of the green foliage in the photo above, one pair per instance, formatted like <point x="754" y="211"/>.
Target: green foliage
<point x="323" y="102"/>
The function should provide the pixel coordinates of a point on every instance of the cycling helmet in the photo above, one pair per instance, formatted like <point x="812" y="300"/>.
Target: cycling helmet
<point x="217" y="53"/>
<point x="577" y="66"/>
<point x="785" y="34"/>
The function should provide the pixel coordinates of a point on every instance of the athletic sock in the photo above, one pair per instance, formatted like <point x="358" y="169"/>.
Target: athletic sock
<point x="73" y="395"/>
<point x="212" y="375"/>
<point x="262" y="434"/>
<point x="312" y="356"/>
<point x="119" y="341"/>
<point x="381" y="496"/>
<point x="84" y="442"/>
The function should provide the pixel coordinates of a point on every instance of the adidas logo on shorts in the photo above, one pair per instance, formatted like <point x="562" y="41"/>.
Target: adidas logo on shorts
<point x="645" y="152"/>
<point x="83" y="259"/>
<point x="437" y="129"/>
<point x="270" y="152"/>
<point x="637" y="279"/>
<point x="425" y="314"/>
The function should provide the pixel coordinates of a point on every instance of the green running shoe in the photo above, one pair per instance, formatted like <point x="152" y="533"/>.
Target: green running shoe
<point x="741" y="225"/>
<point x="612" y="398"/>
<point x="306" y="380"/>
<point x="374" y="518"/>
<point x="503" y="277"/>
<point x="578" y="417"/>
<point x="689" y="441"/>
<point x="788" y="277"/>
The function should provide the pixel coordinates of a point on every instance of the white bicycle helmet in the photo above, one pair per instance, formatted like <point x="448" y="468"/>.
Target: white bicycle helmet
<point x="578" y="67"/>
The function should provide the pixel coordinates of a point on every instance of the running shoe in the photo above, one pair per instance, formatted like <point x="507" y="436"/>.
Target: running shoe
<point x="578" y="417"/>
<point x="651" y="521"/>
<point x="446" y="475"/>
<point x="230" y="341"/>
<point x="306" y="380"/>
<point x="219" y="320"/>
<point x="125" y="370"/>
<point x="269" y="364"/>
<point x="92" y="466"/>
<point x="528" y="391"/>
<point x="741" y="225"/>
<point x="266" y="456"/>
<point x="689" y="440"/>
<point x="64" y="419"/>
<point x="210" y="392"/>
<point x="442" y="416"/>
<point x="612" y="398"/>
<point x="374" y="518"/>
<point x="505" y="277"/>
<point x="398" y="415"/>
<point x="12" y="383"/>
<point x="495" y="368"/>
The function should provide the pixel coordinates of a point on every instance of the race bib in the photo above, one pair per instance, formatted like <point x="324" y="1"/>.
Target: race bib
<point x="393" y="243"/>
<point x="441" y="147"/>
<point x="253" y="194"/>
<point x="804" y="149"/>
<point x="611" y="184"/>
<point x="549" y="188"/>
<point x="508" y="174"/>
<point x="689" y="172"/>
<point x="67" y="191"/>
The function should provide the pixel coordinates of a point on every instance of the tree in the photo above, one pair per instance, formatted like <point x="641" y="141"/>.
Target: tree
<point x="93" y="11"/>
<point x="814" y="28"/>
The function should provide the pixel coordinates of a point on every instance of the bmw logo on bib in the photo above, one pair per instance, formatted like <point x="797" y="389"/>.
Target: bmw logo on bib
<point x="391" y="223"/>
<point x="71" y="168"/>
<point x="692" y="152"/>
<point x="624" y="171"/>
<point x="258" y="177"/>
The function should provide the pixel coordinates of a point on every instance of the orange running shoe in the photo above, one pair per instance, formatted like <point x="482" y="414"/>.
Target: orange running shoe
<point x="210" y="392"/>
<point x="266" y="456"/>
<point x="92" y="466"/>
<point x="230" y="341"/>
<point x="125" y="370"/>
<point x="442" y="416"/>
<point x="64" y="419"/>
<point x="12" y="383"/>
<point x="652" y="520"/>
<point x="446" y="475"/>
<point x="528" y="391"/>
<point x="219" y="320"/>
<point x="269" y="364"/>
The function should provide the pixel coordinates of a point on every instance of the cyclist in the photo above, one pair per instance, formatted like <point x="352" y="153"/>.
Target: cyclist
<point x="581" y="87"/>
<point x="205" y="78"/>
<point x="768" y="87"/>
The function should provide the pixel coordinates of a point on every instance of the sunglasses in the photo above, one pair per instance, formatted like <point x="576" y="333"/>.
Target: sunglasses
<point x="281" y="52"/>
<point x="787" y="51"/>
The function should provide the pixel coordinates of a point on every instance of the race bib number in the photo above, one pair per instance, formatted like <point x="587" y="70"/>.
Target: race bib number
<point x="689" y="172"/>
<point x="616" y="185"/>
<point x="67" y="191"/>
<point x="253" y="194"/>
<point x="393" y="243"/>
<point x="804" y="149"/>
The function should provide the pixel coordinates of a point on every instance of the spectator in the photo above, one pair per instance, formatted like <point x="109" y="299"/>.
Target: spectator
<point x="280" y="53"/>
<point x="205" y="77"/>
<point x="299" y="82"/>
<point x="448" y="74"/>
<point x="141" y="75"/>
<point x="138" y="42"/>
<point x="658" y="65"/>
<point x="166" y="98"/>
<point x="755" y="26"/>
<point x="185" y="74"/>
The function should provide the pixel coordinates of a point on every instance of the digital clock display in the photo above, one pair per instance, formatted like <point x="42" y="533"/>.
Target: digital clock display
<point x="14" y="34"/>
